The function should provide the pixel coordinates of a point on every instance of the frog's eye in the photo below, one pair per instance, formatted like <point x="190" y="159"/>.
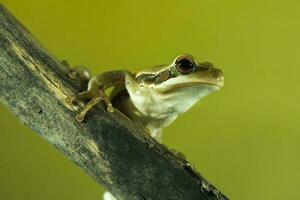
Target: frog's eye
<point x="185" y="65"/>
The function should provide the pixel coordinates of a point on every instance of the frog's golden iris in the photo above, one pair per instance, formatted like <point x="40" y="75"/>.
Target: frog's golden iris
<point x="185" y="65"/>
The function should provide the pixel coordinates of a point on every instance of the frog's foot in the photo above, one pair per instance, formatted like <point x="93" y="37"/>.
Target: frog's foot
<point x="80" y="72"/>
<point x="95" y="96"/>
<point x="73" y="74"/>
<point x="69" y="101"/>
<point x="80" y="97"/>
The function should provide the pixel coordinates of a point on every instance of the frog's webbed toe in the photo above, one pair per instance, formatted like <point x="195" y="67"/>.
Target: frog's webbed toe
<point x="81" y="73"/>
<point x="69" y="101"/>
<point x="79" y="117"/>
<point x="95" y="96"/>
<point x="110" y="108"/>
<point x="73" y="74"/>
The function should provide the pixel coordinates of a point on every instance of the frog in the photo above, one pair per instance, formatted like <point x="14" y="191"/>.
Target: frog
<point x="153" y="97"/>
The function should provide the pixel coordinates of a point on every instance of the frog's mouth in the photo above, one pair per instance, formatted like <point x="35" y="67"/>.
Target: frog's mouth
<point x="218" y="84"/>
<point x="214" y="86"/>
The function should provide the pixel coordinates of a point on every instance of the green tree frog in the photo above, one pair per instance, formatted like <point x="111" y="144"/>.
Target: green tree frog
<point x="153" y="97"/>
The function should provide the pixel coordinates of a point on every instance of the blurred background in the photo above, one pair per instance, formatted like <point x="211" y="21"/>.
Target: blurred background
<point x="244" y="138"/>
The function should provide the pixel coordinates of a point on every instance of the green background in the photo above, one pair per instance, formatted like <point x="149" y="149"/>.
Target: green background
<point x="244" y="138"/>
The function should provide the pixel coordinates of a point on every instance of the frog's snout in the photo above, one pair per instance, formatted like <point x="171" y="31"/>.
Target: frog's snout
<point x="219" y="77"/>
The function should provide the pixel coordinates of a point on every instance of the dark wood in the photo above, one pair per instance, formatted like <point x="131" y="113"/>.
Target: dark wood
<point x="107" y="146"/>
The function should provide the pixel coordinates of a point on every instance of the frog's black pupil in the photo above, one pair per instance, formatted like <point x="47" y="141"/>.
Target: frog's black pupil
<point x="185" y="66"/>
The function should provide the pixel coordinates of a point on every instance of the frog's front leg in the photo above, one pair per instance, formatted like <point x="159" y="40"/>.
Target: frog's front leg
<point x="95" y="92"/>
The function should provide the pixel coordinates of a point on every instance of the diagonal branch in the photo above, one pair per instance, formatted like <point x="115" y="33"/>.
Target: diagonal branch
<point x="108" y="147"/>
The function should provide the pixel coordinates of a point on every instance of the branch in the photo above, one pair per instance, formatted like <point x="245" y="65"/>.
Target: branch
<point x="108" y="147"/>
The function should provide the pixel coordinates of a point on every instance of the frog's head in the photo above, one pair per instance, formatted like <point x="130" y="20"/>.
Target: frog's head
<point x="185" y="72"/>
<point x="177" y="86"/>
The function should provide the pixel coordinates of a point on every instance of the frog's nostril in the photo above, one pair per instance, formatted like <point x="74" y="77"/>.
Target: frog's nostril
<point x="217" y="74"/>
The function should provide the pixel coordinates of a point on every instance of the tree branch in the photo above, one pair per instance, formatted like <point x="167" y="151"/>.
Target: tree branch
<point x="108" y="147"/>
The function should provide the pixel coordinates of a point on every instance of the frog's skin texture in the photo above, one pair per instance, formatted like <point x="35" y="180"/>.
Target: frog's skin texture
<point x="153" y="97"/>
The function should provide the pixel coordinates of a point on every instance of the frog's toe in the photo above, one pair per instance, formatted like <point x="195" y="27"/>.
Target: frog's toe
<point x="110" y="108"/>
<point x="69" y="100"/>
<point x="73" y="74"/>
<point x="79" y="117"/>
